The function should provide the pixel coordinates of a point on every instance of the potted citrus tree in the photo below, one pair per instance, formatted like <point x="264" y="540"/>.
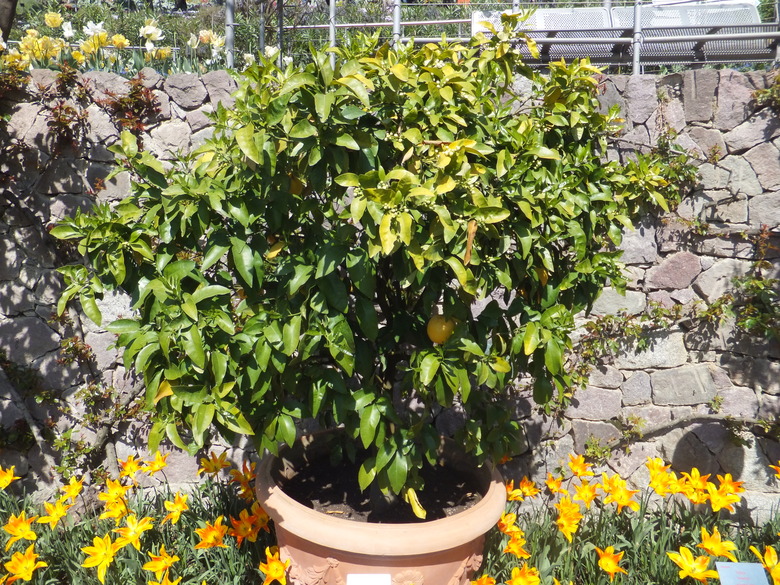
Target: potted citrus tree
<point x="367" y="245"/>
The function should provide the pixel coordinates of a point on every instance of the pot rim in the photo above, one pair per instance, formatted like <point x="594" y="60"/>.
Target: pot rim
<point x="406" y="539"/>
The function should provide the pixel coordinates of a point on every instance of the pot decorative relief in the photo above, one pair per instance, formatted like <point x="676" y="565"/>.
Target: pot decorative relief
<point x="325" y="550"/>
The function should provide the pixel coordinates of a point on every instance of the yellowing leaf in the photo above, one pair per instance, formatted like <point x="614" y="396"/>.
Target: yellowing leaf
<point x="274" y="251"/>
<point x="163" y="390"/>
<point x="411" y="498"/>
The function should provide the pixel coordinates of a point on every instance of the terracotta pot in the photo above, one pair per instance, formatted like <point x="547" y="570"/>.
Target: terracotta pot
<point x="325" y="550"/>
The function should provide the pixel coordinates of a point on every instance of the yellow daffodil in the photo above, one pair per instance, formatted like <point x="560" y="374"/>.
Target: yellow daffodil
<point x="728" y="485"/>
<point x="114" y="492"/>
<point x="776" y="469"/>
<point x="553" y="484"/>
<point x="53" y="19"/>
<point x="770" y="561"/>
<point x="157" y="464"/>
<point x="261" y="517"/>
<point x="175" y="508"/>
<point x="21" y="566"/>
<point x="525" y="575"/>
<point x="618" y="493"/>
<point x="20" y="527"/>
<point x="129" y="467"/>
<point x="273" y="568"/>
<point x="72" y="490"/>
<point x="695" y="568"/>
<point x="7" y="476"/>
<point x="78" y="57"/>
<point x="100" y="555"/>
<point x="212" y="534"/>
<point x="569" y="517"/>
<point x="655" y="465"/>
<point x="115" y="510"/>
<point x="245" y="476"/>
<point x="579" y="467"/>
<point x="160" y="563"/>
<point x="131" y="532"/>
<point x="484" y="580"/>
<point x="54" y="513"/>
<point x="244" y="527"/>
<point x="516" y="545"/>
<point x="213" y="464"/>
<point x="528" y="487"/>
<point x="720" y="498"/>
<point x="506" y="523"/>
<point x="585" y="492"/>
<point x="609" y="561"/>
<point x="120" y="41"/>
<point x="714" y="545"/>
<point x="513" y="494"/>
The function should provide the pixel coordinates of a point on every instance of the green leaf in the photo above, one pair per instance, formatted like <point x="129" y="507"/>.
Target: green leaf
<point x="553" y="357"/>
<point x="348" y="180"/>
<point x="543" y="152"/>
<point x="369" y="420"/>
<point x="303" y="129"/>
<point x="464" y="276"/>
<point x="323" y="102"/>
<point x="531" y="338"/>
<point x="346" y="141"/>
<point x="286" y="429"/>
<point x="213" y="255"/>
<point x="245" y="137"/>
<point x="129" y="144"/>
<point x="357" y="87"/>
<point x="209" y="291"/>
<point x="397" y="472"/>
<point x="201" y="422"/>
<point x="428" y="368"/>
<point x="301" y="276"/>
<point x="296" y="81"/>
<point x="366" y="473"/>
<point x="291" y="334"/>
<point x="192" y="343"/>
<point x="367" y="317"/>
<point x="491" y="214"/>
<point x="335" y="292"/>
<point x="386" y="234"/>
<point x="120" y="326"/>
<point x="91" y="309"/>
<point x="243" y="258"/>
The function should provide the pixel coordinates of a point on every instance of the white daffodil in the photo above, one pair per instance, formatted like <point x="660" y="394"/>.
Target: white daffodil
<point x="67" y="30"/>
<point x="91" y="29"/>
<point x="150" y="31"/>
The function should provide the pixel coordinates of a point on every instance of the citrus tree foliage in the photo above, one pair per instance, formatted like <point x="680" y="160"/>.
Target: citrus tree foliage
<point x="289" y="268"/>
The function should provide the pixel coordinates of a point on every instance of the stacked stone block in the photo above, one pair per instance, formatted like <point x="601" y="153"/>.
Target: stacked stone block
<point x="670" y="386"/>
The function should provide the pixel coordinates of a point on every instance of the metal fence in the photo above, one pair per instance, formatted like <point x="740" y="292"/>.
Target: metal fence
<point x="297" y="24"/>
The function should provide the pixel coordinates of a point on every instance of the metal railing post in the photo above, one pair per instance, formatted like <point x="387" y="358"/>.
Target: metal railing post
<point x="230" y="34"/>
<point x="261" y="40"/>
<point x="332" y="29"/>
<point x="280" y="18"/>
<point x="396" y="22"/>
<point x="635" y="70"/>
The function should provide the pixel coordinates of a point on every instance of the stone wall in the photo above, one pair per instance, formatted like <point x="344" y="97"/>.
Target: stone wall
<point x="671" y="386"/>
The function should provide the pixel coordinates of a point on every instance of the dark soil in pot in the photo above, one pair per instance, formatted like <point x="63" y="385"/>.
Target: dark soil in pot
<point x="334" y="490"/>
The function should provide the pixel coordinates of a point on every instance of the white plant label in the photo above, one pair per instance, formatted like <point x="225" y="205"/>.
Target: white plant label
<point x="375" y="579"/>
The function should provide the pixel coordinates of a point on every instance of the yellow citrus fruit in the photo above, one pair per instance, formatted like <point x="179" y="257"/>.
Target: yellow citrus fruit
<point x="440" y="328"/>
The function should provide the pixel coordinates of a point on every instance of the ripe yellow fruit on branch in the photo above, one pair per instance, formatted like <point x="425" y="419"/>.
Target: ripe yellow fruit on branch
<point x="440" y="328"/>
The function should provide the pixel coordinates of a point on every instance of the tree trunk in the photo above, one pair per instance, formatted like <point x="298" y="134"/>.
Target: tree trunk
<point x="7" y="13"/>
<point x="181" y="5"/>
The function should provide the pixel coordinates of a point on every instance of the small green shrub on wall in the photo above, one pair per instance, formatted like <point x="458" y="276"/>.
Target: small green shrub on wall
<point x="291" y="268"/>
